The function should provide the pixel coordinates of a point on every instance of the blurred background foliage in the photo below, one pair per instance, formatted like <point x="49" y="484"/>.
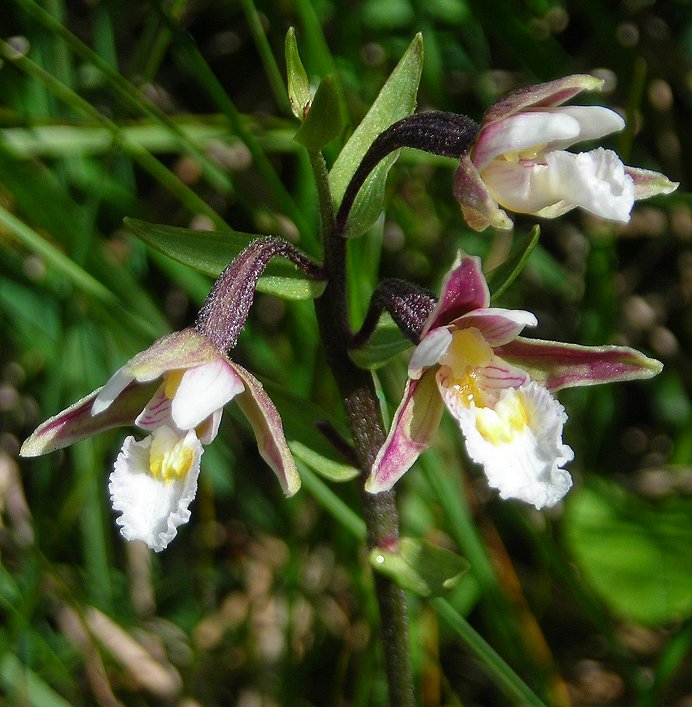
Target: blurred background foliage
<point x="176" y="113"/>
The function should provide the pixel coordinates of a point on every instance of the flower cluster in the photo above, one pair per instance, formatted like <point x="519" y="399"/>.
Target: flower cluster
<point x="499" y="387"/>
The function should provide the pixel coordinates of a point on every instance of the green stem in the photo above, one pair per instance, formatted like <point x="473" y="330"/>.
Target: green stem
<point x="364" y="421"/>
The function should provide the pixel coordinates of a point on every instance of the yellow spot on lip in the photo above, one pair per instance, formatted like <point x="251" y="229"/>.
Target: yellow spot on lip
<point x="170" y="458"/>
<point x="504" y="422"/>
<point x="467" y="352"/>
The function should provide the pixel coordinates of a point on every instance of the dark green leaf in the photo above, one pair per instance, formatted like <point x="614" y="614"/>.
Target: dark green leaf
<point x="210" y="252"/>
<point x="396" y="100"/>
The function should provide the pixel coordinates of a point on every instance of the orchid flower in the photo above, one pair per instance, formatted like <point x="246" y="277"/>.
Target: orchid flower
<point x="519" y="162"/>
<point x="175" y="390"/>
<point x="499" y="387"/>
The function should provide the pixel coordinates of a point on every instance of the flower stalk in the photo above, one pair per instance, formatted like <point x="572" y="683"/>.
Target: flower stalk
<point x="364" y="421"/>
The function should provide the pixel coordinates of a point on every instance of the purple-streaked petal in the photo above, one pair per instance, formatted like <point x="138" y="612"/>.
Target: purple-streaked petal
<point x="498" y="326"/>
<point x="463" y="290"/>
<point x="157" y="411"/>
<point x="429" y="351"/>
<point x="648" y="183"/>
<point x="558" y="365"/>
<point x="413" y="427"/>
<point x="152" y="506"/>
<point x="479" y="207"/>
<point x="265" y="420"/>
<point x="202" y="390"/>
<point x="552" y="93"/>
<point x="522" y="132"/>
<point x="519" y="444"/>
<point x="479" y="386"/>
<point x="77" y="423"/>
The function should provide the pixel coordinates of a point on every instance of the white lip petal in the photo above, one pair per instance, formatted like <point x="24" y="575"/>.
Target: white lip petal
<point x="157" y="411"/>
<point x="202" y="390"/>
<point x="151" y="508"/>
<point x="522" y="187"/>
<point x="519" y="444"/>
<point x="114" y="386"/>
<point x="596" y="181"/>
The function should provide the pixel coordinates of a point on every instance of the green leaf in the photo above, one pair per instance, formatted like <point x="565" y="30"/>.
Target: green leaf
<point x="636" y="554"/>
<point x="500" y="278"/>
<point x="328" y="468"/>
<point x="386" y="342"/>
<point x="421" y="567"/>
<point x="323" y="121"/>
<point x="297" y="78"/>
<point x="211" y="251"/>
<point x="396" y="100"/>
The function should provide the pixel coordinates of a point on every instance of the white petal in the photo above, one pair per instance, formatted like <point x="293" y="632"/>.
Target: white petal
<point x="153" y="507"/>
<point x="115" y="385"/>
<point x="208" y="430"/>
<point x="524" y="132"/>
<point x="521" y="186"/>
<point x="594" y="122"/>
<point x="429" y="351"/>
<point x="202" y="390"/>
<point x="519" y="444"/>
<point x="596" y="181"/>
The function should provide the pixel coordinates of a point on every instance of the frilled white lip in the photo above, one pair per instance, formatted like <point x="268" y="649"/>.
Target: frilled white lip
<point x="151" y="509"/>
<point x="525" y="460"/>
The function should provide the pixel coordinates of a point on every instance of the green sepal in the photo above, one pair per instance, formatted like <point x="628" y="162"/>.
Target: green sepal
<point x="421" y="567"/>
<point x="211" y="251"/>
<point x="386" y="342"/>
<point x="500" y="278"/>
<point x="323" y="121"/>
<point x="324" y="466"/>
<point x="297" y="78"/>
<point x="396" y="100"/>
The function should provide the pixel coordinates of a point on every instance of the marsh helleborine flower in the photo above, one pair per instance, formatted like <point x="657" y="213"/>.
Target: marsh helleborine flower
<point x="499" y="387"/>
<point x="175" y="390"/>
<point x="519" y="162"/>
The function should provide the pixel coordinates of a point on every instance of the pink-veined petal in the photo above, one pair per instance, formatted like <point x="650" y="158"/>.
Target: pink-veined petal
<point x="531" y="131"/>
<point x="157" y="411"/>
<point x="648" y="183"/>
<point x="557" y="365"/>
<point x="551" y="93"/>
<point x="519" y="444"/>
<point x="202" y="390"/>
<point x="463" y="290"/>
<point x="497" y="325"/>
<point x="479" y="207"/>
<point x="413" y="427"/>
<point x="429" y="351"/>
<point x="77" y="422"/>
<point x="265" y="420"/>
<point x="151" y="508"/>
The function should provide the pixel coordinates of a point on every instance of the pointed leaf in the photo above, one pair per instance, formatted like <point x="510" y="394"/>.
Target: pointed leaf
<point x="386" y="342"/>
<point x="323" y="121"/>
<point x="210" y="252"/>
<point x="421" y="567"/>
<point x="500" y="278"/>
<point x="396" y="100"/>
<point x="328" y="468"/>
<point x="297" y="78"/>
